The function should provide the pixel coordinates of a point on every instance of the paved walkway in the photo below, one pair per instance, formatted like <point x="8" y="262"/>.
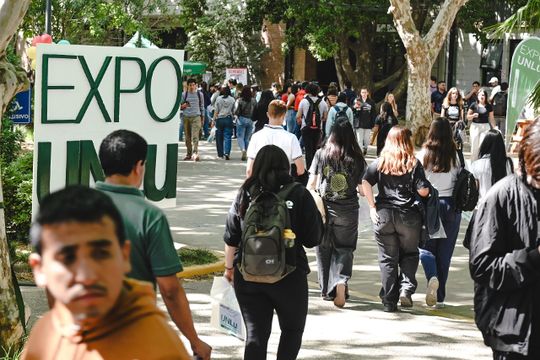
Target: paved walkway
<point x="359" y="331"/>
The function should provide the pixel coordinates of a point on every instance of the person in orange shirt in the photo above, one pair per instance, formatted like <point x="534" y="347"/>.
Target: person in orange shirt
<point x="81" y="257"/>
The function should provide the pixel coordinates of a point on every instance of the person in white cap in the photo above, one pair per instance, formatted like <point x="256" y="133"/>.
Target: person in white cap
<point x="494" y="83"/>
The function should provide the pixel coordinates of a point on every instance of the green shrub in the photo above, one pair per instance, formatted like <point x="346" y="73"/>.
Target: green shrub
<point x="192" y="256"/>
<point x="17" y="187"/>
<point x="10" y="144"/>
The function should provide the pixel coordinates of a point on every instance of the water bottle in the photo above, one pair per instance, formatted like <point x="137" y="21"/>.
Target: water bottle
<point x="289" y="236"/>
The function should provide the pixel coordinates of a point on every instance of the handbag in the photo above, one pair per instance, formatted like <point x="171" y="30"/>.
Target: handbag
<point x="226" y="315"/>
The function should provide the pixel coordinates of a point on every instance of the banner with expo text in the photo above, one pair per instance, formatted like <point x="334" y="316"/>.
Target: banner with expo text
<point x="83" y="93"/>
<point x="524" y="75"/>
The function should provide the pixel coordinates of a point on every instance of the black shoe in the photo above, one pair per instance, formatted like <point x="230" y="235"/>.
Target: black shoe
<point x="227" y="157"/>
<point x="405" y="300"/>
<point x="390" y="307"/>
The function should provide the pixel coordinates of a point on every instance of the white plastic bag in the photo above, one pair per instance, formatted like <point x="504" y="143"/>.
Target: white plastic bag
<point x="226" y="315"/>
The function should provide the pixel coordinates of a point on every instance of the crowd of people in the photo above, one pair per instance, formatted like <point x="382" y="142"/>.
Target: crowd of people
<point x="298" y="135"/>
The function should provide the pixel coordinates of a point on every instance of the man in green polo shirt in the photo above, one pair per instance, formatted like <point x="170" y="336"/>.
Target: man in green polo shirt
<point x="153" y="256"/>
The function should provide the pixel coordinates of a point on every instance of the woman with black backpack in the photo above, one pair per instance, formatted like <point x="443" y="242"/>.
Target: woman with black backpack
<point x="288" y="296"/>
<point x="442" y="166"/>
<point x="336" y="172"/>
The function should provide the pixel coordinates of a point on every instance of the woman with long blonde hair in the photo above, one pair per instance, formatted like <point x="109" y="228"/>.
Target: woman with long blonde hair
<point x="396" y="220"/>
<point x="391" y="99"/>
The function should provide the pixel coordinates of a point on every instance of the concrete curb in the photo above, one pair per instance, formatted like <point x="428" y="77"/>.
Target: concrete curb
<point x="199" y="270"/>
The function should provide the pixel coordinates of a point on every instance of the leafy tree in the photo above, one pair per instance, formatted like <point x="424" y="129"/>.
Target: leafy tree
<point x="12" y="80"/>
<point x="220" y="35"/>
<point x="98" y="22"/>
<point x="525" y="19"/>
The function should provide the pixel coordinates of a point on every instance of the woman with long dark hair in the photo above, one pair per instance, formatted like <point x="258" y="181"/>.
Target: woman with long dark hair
<point x="336" y="172"/>
<point x="383" y="123"/>
<point x="259" y="115"/>
<point x="492" y="164"/>
<point x="223" y="119"/>
<point x="396" y="220"/>
<point x="289" y="296"/>
<point x="441" y="164"/>
<point x="481" y="115"/>
<point x="245" y="106"/>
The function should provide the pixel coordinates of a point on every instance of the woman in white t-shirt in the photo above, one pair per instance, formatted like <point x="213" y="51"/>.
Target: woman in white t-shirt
<point x="441" y="165"/>
<point x="492" y="164"/>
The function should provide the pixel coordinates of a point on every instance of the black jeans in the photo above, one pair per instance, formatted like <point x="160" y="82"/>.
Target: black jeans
<point x="312" y="139"/>
<point x="336" y="252"/>
<point x="289" y="297"/>
<point x="397" y="234"/>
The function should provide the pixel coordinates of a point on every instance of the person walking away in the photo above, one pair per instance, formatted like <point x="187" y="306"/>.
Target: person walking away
<point x="245" y="106"/>
<point x="383" y="123"/>
<point x="505" y="258"/>
<point x="340" y="108"/>
<point x="481" y="115"/>
<point x="288" y="297"/>
<point x="311" y="117"/>
<point x="499" y="102"/>
<point x="351" y="95"/>
<point x="437" y="98"/>
<point x="493" y="164"/>
<point x="364" y="119"/>
<point x="260" y="115"/>
<point x="396" y="220"/>
<point x="274" y="134"/>
<point x="223" y="121"/>
<point x="290" y="118"/>
<point x="122" y="155"/>
<point x="336" y="172"/>
<point x="193" y="113"/>
<point x="81" y="256"/>
<point x="441" y="164"/>
<point x="207" y="108"/>
<point x="331" y="96"/>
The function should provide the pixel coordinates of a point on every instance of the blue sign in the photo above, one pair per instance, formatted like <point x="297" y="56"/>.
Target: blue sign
<point x="19" y="110"/>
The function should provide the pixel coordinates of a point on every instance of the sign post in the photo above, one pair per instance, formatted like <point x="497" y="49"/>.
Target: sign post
<point x="240" y="74"/>
<point x="20" y="108"/>
<point x="83" y="93"/>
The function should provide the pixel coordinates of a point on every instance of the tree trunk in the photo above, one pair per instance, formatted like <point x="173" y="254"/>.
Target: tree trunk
<point x="422" y="52"/>
<point x="11" y="82"/>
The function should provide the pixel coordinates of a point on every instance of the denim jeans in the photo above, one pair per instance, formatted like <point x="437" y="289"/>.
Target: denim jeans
<point x="397" y="233"/>
<point x="181" y="130"/>
<point x="291" y="120"/>
<point x="206" y="124"/>
<point x="336" y="251"/>
<point x="437" y="253"/>
<point x="224" y="127"/>
<point x="244" y="128"/>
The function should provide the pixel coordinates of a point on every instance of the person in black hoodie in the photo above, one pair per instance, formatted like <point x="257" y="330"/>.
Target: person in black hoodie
<point x="288" y="296"/>
<point x="505" y="258"/>
<point x="364" y="118"/>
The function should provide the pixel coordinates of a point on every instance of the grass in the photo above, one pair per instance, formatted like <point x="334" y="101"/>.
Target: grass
<point x="193" y="256"/>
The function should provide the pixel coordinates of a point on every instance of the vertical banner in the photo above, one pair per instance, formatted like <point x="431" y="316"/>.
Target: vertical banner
<point x="83" y="93"/>
<point x="524" y="75"/>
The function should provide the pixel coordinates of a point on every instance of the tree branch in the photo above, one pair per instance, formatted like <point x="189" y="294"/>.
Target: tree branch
<point x="396" y="75"/>
<point x="440" y="28"/>
<point x="11" y="14"/>
<point x="404" y="22"/>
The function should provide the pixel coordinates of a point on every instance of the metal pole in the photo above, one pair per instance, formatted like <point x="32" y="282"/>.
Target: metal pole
<point x="48" y="17"/>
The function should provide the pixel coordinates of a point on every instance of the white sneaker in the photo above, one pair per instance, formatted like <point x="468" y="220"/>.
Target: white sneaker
<point x="431" y="292"/>
<point x="439" y="305"/>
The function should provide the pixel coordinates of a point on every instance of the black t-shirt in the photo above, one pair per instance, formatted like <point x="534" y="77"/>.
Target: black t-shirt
<point x="482" y="111"/>
<point x="396" y="192"/>
<point x="338" y="182"/>
<point x="452" y="112"/>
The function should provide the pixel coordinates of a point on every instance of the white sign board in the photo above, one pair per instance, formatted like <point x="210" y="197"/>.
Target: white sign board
<point x="240" y="74"/>
<point x="83" y="93"/>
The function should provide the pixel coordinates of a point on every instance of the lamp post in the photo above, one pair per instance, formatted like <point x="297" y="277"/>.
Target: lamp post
<point x="48" y="17"/>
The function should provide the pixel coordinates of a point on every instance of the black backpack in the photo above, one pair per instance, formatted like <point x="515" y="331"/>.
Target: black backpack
<point x="341" y="114"/>
<point x="313" y="118"/>
<point x="499" y="103"/>
<point x="465" y="192"/>
<point x="268" y="248"/>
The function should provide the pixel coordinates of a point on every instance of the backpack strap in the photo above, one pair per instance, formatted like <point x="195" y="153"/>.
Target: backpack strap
<point x="461" y="158"/>
<point x="337" y="109"/>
